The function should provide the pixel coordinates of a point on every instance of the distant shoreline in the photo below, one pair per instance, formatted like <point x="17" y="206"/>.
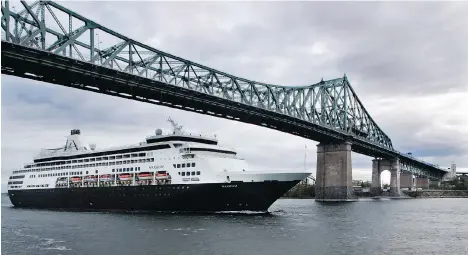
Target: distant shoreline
<point x="438" y="193"/>
<point x="300" y="191"/>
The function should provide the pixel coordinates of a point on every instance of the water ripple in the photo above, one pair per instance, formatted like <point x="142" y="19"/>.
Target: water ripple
<point x="421" y="226"/>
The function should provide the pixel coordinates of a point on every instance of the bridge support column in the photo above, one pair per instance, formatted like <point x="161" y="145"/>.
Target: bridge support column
<point x="379" y="165"/>
<point x="434" y="184"/>
<point x="376" y="188"/>
<point x="395" y="178"/>
<point x="334" y="181"/>
<point x="406" y="180"/>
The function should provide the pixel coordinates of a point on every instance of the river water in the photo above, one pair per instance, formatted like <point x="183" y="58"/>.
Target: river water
<point x="293" y="226"/>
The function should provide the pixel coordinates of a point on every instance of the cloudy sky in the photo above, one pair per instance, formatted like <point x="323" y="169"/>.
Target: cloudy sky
<point x="408" y="62"/>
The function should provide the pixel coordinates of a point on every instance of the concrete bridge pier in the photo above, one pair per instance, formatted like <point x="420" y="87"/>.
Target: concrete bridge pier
<point x="376" y="188"/>
<point x="422" y="182"/>
<point x="334" y="181"/>
<point x="395" y="178"/>
<point x="406" y="180"/>
<point x="379" y="165"/>
<point x="434" y="183"/>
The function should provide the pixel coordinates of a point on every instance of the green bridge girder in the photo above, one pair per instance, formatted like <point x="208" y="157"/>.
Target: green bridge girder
<point x="331" y="104"/>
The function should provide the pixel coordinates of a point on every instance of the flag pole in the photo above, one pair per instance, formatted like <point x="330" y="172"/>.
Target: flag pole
<point x="305" y="146"/>
<point x="305" y="159"/>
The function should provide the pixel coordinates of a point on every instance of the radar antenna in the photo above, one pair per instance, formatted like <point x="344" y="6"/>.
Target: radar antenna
<point x="177" y="128"/>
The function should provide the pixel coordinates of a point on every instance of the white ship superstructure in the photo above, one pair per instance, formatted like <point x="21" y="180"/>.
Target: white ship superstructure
<point x="175" y="158"/>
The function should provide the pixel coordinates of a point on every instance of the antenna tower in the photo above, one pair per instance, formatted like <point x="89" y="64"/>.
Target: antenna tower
<point x="177" y="128"/>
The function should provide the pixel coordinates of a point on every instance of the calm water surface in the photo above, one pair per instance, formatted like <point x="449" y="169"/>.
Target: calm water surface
<point x="423" y="226"/>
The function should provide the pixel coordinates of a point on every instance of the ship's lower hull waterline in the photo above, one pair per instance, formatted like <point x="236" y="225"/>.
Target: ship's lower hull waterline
<point x="214" y="197"/>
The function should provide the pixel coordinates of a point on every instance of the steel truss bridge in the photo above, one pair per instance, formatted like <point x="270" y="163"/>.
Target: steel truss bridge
<point x="47" y="42"/>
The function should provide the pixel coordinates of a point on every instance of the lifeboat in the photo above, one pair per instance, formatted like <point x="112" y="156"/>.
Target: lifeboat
<point x="161" y="175"/>
<point x="145" y="176"/>
<point x="90" y="178"/>
<point x="76" y="179"/>
<point x="125" y="177"/>
<point x="105" y="178"/>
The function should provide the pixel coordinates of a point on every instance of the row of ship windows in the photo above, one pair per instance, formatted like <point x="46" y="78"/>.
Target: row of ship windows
<point x="128" y="169"/>
<point x="99" y="164"/>
<point x="134" y="155"/>
<point x="38" y="186"/>
<point x="188" y="173"/>
<point x="88" y="165"/>
<point x="16" y="182"/>
<point x="183" y="165"/>
<point x="17" y="177"/>
<point x="56" y="174"/>
<point x="148" y="154"/>
<point x="56" y="163"/>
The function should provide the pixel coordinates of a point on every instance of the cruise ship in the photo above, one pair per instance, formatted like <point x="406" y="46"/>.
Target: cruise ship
<point x="167" y="172"/>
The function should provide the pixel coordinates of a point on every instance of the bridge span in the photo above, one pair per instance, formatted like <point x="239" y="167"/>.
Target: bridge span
<point x="36" y="44"/>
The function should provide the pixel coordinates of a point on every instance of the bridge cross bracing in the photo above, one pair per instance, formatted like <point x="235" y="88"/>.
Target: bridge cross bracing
<point x="44" y="38"/>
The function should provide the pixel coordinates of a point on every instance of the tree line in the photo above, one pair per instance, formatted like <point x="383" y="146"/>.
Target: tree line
<point x="458" y="183"/>
<point x="301" y="191"/>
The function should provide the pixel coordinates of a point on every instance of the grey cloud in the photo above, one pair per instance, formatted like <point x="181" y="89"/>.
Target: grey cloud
<point x="401" y="48"/>
<point x="384" y="46"/>
<point x="433" y="128"/>
<point x="413" y="48"/>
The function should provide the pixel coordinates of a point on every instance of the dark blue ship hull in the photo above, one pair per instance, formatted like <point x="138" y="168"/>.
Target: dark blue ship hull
<point x="249" y="196"/>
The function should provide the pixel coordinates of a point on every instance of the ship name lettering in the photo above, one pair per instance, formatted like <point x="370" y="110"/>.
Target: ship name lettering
<point x="229" y="186"/>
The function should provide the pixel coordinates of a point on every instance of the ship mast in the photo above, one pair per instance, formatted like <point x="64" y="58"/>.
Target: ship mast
<point x="177" y="128"/>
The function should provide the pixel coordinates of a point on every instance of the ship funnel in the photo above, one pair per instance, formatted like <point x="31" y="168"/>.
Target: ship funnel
<point x="75" y="142"/>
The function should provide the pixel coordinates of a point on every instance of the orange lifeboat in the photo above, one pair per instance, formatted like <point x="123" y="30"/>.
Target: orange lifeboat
<point x="125" y="177"/>
<point x="161" y="175"/>
<point x="145" y="176"/>
<point x="76" y="179"/>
